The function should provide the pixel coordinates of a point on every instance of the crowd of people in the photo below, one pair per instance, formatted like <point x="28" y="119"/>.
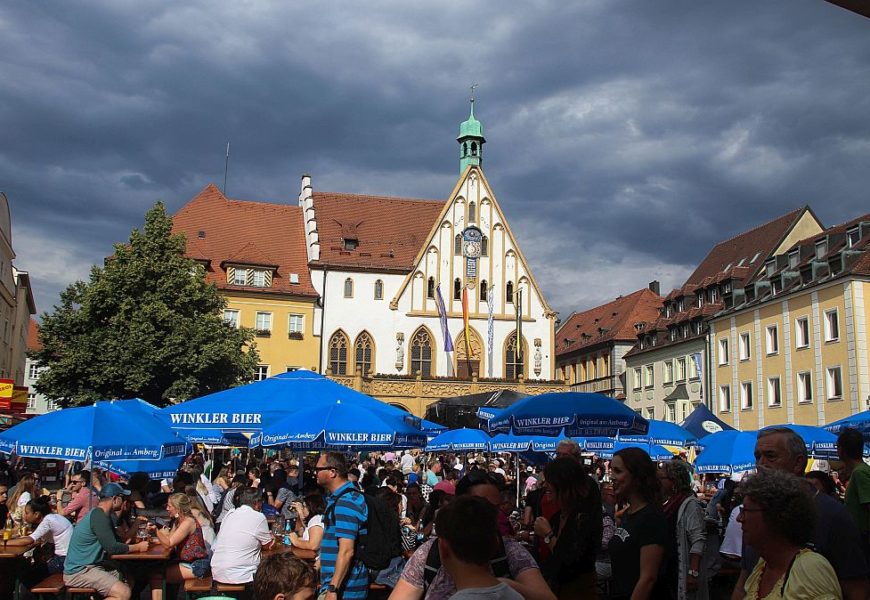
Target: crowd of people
<point x="412" y="526"/>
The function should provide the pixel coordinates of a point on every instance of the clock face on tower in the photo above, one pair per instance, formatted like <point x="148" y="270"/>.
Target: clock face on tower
<point x="471" y="249"/>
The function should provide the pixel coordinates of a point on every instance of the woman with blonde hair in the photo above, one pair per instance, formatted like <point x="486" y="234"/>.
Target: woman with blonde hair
<point x="26" y="490"/>
<point x="202" y="516"/>
<point x="186" y="535"/>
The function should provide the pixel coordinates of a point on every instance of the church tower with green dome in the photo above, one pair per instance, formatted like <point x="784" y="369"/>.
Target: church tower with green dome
<point x="471" y="142"/>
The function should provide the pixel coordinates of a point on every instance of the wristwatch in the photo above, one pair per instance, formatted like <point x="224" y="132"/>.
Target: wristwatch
<point x="330" y="589"/>
<point x="548" y="538"/>
<point x="693" y="573"/>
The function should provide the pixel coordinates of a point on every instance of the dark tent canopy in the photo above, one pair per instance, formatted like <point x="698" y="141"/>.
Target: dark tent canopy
<point x="703" y="422"/>
<point x="461" y="411"/>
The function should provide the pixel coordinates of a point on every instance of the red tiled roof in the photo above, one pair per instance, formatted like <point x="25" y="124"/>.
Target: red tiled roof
<point x="761" y="240"/>
<point x="617" y="318"/>
<point x="232" y="227"/>
<point x="390" y="231"/>
<point x="250" y="254"/>
<point x="33" y="336"/>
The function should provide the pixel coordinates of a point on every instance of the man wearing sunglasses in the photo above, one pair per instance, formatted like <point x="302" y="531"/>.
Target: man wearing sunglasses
<point x="83" y="497"/>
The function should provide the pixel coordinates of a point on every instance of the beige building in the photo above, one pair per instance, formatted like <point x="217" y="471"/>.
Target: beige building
<point x="16" y="303"/>
<point x="667" y="366"/>
<point x="792" y="345"/>
<point x="590" y="345"/>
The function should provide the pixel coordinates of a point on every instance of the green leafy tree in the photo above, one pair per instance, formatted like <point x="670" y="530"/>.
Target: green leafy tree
<point x="146" y="324"/>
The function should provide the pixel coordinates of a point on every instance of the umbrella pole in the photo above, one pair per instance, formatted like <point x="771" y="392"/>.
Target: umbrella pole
<point x="517" y="468"/>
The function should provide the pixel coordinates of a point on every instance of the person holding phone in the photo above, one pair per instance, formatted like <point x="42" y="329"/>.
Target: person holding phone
<point x="309" y="526"/>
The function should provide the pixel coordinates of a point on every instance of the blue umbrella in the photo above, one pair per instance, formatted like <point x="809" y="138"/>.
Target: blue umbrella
<point x="579" y="414"/>
<point x="820" y="442"/>
<point x="156" y="469"/>
<point x="656" y="451"/>
<point x="664" y="433"/>
<point x="727" y="452"/>
<point x="107" y="430"/>
<point x="485" y="413"/>
<point x="250" y="408"/>
<point x="702" y="422"/>
<point x="859" y="421"/>
<point x="597" y="445"/>
<point x="341" y="425"/>
<point x="459" y="440"/>
<point x="506" y="442"/>
<point x="431" y="426"/>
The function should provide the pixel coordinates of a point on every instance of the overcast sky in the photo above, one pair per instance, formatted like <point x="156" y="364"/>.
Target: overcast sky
<point x="624" y="137"/>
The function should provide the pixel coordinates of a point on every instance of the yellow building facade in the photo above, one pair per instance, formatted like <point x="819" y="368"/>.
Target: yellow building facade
<point x="796" y="350"/>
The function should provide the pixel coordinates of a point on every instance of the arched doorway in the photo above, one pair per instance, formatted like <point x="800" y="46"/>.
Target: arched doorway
<point x="469" y="358"/>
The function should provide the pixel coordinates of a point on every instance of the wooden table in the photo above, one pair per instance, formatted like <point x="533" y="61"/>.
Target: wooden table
<point x="14" y="551"/>
<point x="156" y="551"/>
<point x="309" y="555"/>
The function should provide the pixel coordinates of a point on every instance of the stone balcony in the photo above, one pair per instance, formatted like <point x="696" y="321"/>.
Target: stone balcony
<point x="415" y="393"/>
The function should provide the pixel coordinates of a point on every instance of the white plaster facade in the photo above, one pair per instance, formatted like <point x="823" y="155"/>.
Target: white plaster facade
<point x="404" y="307"/>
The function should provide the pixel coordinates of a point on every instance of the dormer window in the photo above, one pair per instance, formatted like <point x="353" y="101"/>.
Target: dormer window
<point x="258" y="278"/>
<point x="793" y="259"/>
<point x="350" y="243"/>
<point x="680" y="305"/>
<point x="821" y="248"/>
<point x="853" y="237"/>
<point x="776" y="286"/>
<point x="770" y="267"/>
<point x="726" y="287"/>
<point x="685" y="330"/>
<point x="249" y="277"/>
<point x="240" y="276"/>
<point x="669" y="310"/>
<point x="672" y="334"/>
<point x="700" y="300"/>
<point x="714" y="294"/>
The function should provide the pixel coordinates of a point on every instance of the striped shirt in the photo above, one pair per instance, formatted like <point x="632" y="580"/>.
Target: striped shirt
<point x="349" y="522"/>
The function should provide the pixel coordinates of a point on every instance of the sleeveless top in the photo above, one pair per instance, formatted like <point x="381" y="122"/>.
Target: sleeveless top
<point x="193" y="547"/>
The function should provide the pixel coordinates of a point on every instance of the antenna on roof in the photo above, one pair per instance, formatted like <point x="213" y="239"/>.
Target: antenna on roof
<point x="226" y="168"/>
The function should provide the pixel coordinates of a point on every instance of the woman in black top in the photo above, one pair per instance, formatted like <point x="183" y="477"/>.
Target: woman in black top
<point x="573" y="534"/>
<point x="637" y="548"/>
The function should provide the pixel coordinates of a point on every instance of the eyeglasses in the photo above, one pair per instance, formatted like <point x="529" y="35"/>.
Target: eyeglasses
<point x="743" y="509"/>
<point x="77" y="481"/>
<point x="319" y="469"/>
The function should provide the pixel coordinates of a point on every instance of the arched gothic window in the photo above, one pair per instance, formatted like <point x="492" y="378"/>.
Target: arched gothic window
<point x="457" y="244"/>
<point x="472" y="212"/>
<point x="457" y="289"/>
<point x="513" y="358"/>
<point x="379" y="290"/>
<point x="338" y="353"/>
<point x="364" y="353"/>
<point x="348" y="288"/>
<point x="483" y="291"/>
<point x="509" y="292"/>
<point x="430" y="288"/>
<point x="484" y="246"/>
<point x="421" y="353"/>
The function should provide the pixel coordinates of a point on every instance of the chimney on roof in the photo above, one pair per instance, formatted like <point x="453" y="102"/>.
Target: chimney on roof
<point x="655" y="287"/>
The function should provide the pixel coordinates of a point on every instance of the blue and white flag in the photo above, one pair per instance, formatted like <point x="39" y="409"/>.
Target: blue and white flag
<point x="448" y="343"/>
<point x="490" y="334"/>
<point x="697" y="359"/>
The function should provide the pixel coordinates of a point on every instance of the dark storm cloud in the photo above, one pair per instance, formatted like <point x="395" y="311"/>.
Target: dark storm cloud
<point x="624" y="137"/>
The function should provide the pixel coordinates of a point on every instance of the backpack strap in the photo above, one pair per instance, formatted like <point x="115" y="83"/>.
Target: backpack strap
<point x="500" y="565"/>
<point x="329" y="515"/>
<point x="433" y="565"/>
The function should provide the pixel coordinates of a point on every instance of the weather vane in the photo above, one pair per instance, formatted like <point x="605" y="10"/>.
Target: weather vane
<point x="473" y="85"/>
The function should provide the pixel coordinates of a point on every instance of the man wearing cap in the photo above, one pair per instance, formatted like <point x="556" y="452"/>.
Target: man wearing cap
<point x="93" y="540"/>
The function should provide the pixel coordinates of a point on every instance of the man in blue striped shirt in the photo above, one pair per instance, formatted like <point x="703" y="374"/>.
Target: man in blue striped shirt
<point x="341" y="574"/>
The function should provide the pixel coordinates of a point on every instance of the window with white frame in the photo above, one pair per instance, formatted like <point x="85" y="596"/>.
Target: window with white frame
<point x="638" y="383"/>
<point x="832" y="325"/>
<point x="744" y="346"/>
<point x="693" y="367"/>
<point x="261" y="372"/>
<point x="264" y="321"/>
<point x="723" y="351"/>
<point x="672" y="334"/>
<point x="31" y="401"/>
<point x="651" y="413"/>
<point x="746" y="395"/>
<point x="295" y="323"/>
<point x="649" y="380"/>
<point x="50" y="405"/>
<point x="854" y="236"/>
<point x="33" y="371"/>
<point x="774" y="392"/>
<point x="821" y="248"/>
<point x="805" y="387"/>
<point x="669" y="372"/>
<point x="772" y="339"/>
<point x="231" y="317"/>
<point x="379" y="290"/>
<point x="681" y="369"/>
<point x="681" y="305"/>
<point x="672" y="413"/>
<point x="802" y="332"/>
<point x="835" y="383"/>
<point x="724" y="398"/>
<point x="684" y="411"/>
<point x="348" y="288"/>
<point x="793" y="259"/>
<point x="259" y="278"/>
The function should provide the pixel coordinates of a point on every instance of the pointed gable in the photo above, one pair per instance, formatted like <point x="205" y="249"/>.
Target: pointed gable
<point x="216" y="227"/>
<point x="387" y="232"/>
